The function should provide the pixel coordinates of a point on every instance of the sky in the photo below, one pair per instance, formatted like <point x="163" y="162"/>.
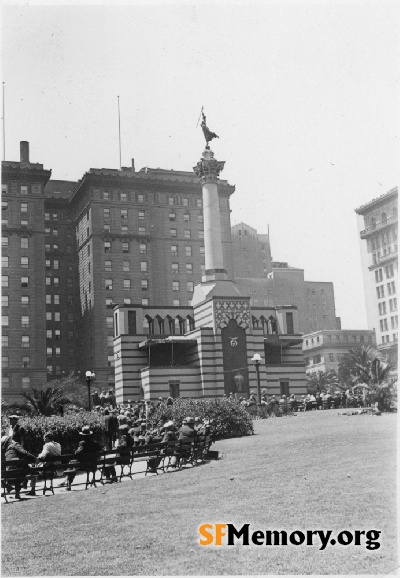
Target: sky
<point x="303" y="96"/>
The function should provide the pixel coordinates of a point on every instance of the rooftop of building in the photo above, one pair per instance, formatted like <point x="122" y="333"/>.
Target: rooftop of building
<point x="283" y="265"/>
<point x="339" y="332"/>
<point x="59" y="189"/>
<point x="377" y="201"/>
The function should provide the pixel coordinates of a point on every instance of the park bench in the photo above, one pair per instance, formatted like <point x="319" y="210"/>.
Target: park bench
<point x="16" y="471"/>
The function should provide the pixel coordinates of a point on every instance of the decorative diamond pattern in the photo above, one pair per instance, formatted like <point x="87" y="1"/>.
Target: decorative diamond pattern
<point x="232" y="309"/>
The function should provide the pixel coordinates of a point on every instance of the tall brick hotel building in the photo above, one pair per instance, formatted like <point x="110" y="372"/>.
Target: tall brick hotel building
<point x="73" y="250"/>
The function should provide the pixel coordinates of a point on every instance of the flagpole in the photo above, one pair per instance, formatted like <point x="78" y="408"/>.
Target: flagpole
<point x="119" y="134"/>
<point x="4" y="125"/>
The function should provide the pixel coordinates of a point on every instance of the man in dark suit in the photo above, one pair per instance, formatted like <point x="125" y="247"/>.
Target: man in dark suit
<point x="186" y="431"/>
<point x="111" y="427"/>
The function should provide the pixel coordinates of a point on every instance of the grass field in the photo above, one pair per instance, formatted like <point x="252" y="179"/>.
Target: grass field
<point x="316" y="471"/>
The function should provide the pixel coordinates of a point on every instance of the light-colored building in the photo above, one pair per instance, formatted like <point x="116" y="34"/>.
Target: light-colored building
<point x="377" y="224"/>
<point x="323" y="350"/>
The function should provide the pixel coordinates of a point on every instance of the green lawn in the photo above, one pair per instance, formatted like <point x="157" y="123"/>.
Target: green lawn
<point x="316" y="471"/>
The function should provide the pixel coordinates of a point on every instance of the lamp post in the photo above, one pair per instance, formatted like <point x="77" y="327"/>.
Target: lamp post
<point x="89" y="377"/>
<point x="256" y="359"/>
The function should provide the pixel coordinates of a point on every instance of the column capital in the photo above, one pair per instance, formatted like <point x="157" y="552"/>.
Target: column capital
<point x="208" y="168"/>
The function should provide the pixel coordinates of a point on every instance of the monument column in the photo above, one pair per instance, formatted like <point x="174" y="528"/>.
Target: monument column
<point x="208" y="169"/>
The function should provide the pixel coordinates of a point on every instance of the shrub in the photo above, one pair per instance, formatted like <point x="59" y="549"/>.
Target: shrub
<point x="66" y="430"/>
<point x="230" y="419"/>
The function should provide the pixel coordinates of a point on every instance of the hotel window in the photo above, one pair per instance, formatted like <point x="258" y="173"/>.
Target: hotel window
<point x="109" y="302"/>
<point x="378" y="275"/>
<point x="199" y="202"/>
<point x="26" y="362"/>
<point x="4" y="320"/>
<point x="57" y="334"/>
<point x="143" y="266"/>
<point x="47" y="231"/>
<point x="56" y="282"/>
<point x="48" y="263"/>
<point x="70" y="316"/>
<point x="393" y="304"/>
<point x="49" y="334"/>
<point x="391" y="288"/>
<point x="124" y="197"/>
<point x="24" y="190"/>
<point x="125" y="247"/>
<point x="107" y="265"/>
<point x="127" y="301"/>
<point x="24" y="281"/>
<point x="171" y="200"/>
<point x="188" y="251"/>
<point x="382" y="308"/>
<point x="4" y="189"/>
<point x="108" y="284"/>
<point x="47" y="216"/>
<point x="142" y="230"/>
<point x="107" y="228"/>
<point x="46" y="247"/>
<point x="55" y="232"/>
<point x="172" y="232"/>
<point x="125" y="266"/>
<point x="110" y="322"/>
<point x="200" y="219"/>
<point x="106" y="213"/>
<point x="4" y="280"/>
<point x="140" y="198"/>
<point x="4" y="241"/>
<point x="383" y="325"/>
<point x="189" y="268"/>
<point x="190" y="286"/>
<point x="202" y="251"/>
<point x="106" y="195"/>
<point x="24" y="223"/>
<point x="174" y="249"/>
<point x="380" y="291"/>
<point x="56" y="264"/>
<point x="48" y="281"/>
<point x="26" y="382"/>
<point x="175" y="285"/>
<point x="127" y="284"/>
<point x="201" y="234"/>
<point x="49" y="316"/>
<point x="110" y="340"/>
<point x="175" y="268"/>
<point x="25" y="321"/>
<point x="186" y="217"/>
<point x="145" y="301"/>
<point x="176" y="302"/>
<point x="185" y="202"/>
<point x="24" y="207"/>
<point x="142" y="248"/>
<point x="394" y="322"/>
<point x="187" y="233"/>
<point x="4" y="341"/>
<point x="107" y="247"/>
<point x="4" y="361"/>
<point x="56" y="299"/>
<point x="124" y="228"/>
<point x="124" y="213"/>
<point x="172" y="216"/>
<point x="4" y="300"/>
<point x="389" y="271"/>
<point x="25" y="341"/>
<point x="24" y="300"/>
<point x="142" y="215"/>
<point x="144" y="284"/>
<point x="4" y="261"/>
<point x="55" y="216"/>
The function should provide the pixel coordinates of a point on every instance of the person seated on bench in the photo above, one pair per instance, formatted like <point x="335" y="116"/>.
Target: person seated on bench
<point x="50" y="451"/>
<point x="86" y="446"/>
<point x="252" y="399"/>
<point x="11" y="450"/>
<point x="186" y="431"/>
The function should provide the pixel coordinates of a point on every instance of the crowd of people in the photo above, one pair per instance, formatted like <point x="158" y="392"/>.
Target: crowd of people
<point x="124" y="430"/>
<point x="321" y="400"/>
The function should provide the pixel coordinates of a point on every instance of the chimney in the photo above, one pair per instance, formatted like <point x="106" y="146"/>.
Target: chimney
<point x="133" y="165"/>
<point x="24" y="151"/>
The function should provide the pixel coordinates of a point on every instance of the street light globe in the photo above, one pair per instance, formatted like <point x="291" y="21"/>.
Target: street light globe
<point x="256" y="358"/>
<point x="89" y="374"/>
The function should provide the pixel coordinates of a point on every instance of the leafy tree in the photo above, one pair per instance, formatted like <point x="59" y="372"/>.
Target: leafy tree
<point x="47" y="400"/>
<point x="323" y="381"/>
<point x="366" y="367"/>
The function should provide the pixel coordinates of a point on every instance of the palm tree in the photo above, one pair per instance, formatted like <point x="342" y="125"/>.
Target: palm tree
<point x="365" y="366"/>
<point x="322" y="381"/>
<point x="47" y="400"/>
